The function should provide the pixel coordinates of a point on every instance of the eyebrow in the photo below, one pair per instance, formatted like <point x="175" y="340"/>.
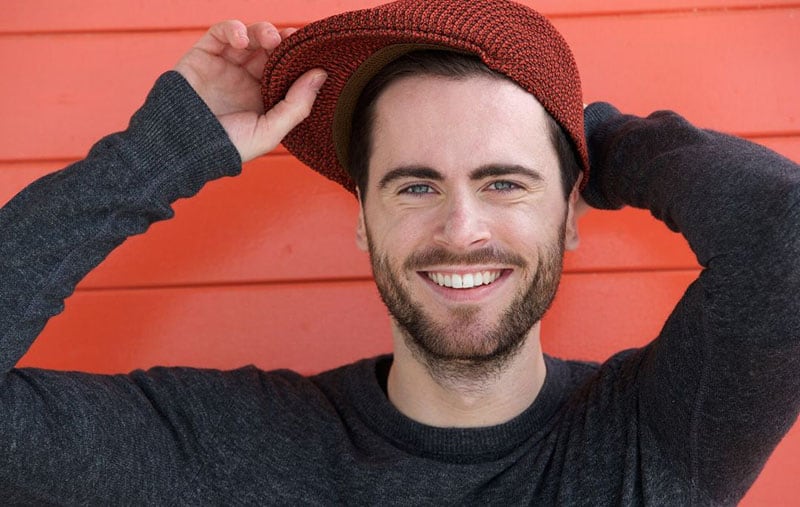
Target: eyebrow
<point x="424" y="173"/>
<point x="485" y="171"/>
<point x="494" y="170"/>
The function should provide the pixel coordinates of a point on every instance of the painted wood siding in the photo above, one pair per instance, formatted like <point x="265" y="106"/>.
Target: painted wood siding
<point x="263" y="268"/>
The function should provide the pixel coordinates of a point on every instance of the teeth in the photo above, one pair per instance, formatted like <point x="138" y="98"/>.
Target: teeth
<point x="465" y="281"/>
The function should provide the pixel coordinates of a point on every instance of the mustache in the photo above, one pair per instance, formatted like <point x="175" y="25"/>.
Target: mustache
<point x="487" y="255"/>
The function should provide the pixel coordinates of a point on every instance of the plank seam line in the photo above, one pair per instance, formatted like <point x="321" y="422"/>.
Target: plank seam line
<point x="282" y="152"/>
<point x="757" y="7"/>
<point x="345" y="280"/>
<point x="671" y="11"/>
<point x="223" y="285"/>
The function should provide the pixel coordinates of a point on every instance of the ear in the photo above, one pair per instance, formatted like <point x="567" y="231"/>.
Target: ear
<point x="361" y="226"/>
<point x="575" y="208"/>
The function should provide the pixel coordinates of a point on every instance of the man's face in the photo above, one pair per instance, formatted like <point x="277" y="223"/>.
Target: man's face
<point x="464" y="219"/>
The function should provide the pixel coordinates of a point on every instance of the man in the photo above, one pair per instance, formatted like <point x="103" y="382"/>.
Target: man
<point x="467" y="202"/>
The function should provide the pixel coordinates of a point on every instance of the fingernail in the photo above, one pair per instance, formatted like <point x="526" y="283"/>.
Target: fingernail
<point x="318" y="81"/>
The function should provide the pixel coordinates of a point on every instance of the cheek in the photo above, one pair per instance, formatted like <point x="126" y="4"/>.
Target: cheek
<point x="532" y="226"/>
<point x="398" y="228"/>
<point x="400" y="238"/>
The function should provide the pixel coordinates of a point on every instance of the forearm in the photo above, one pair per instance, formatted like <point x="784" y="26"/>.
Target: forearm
<point x="724" y="194"/>
<point x="60" y="227"/>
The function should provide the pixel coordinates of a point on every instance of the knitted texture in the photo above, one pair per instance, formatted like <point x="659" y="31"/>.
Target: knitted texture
<point x="510" y="38"/>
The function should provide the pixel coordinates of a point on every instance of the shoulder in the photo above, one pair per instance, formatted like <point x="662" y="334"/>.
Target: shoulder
<point x="597" y="384"/>
<point x="246" y="394"/>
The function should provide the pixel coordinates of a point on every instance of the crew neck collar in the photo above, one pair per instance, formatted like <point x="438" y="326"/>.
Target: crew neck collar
<point x="460" y="445"/>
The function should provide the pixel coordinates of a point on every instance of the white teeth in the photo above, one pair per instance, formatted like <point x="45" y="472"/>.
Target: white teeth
<point x="465" y="281"/>
<point x="468" y="281"/>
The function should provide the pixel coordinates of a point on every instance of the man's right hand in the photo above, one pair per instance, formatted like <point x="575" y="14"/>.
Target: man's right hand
<point x="225" y="68"/>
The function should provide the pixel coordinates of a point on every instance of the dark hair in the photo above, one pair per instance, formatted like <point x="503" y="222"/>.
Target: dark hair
<point x="444" y="64"/>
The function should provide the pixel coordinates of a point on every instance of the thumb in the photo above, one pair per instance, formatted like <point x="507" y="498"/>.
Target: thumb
<point x="273" y="126"/>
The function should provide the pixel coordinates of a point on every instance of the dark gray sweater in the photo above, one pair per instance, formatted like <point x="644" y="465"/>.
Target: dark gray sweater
<point x="688" y="419"/>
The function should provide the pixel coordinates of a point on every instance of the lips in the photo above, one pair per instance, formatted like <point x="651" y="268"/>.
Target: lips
<point x="464" y="280"/>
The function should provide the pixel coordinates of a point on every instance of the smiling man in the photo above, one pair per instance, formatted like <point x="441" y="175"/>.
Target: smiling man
<point x="460" y="128"/>
<point x="464" y="216"/>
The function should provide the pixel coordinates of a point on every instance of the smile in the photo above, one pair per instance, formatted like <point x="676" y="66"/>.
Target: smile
<point x="464" y="281"/>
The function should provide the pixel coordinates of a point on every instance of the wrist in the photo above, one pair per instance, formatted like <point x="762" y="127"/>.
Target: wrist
<point x="176" y="129"/>
<point x="600" y="120"/>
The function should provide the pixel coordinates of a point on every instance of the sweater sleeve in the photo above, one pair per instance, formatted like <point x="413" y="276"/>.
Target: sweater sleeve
<point x="59" y="429"/>
<point x="720" y="386"/>
<point x="63" y="225"/>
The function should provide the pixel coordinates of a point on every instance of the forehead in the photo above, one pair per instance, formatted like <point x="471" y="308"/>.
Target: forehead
<point x="455" y="125"/>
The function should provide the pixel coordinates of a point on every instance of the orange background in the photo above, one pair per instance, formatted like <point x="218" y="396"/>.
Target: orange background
<point x="263" y="268"/>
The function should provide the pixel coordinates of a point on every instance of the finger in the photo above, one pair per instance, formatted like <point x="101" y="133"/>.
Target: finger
<point x="257" y="59"/>
<point x="230" y="33"/>
<point x="286" y="32"/>
<point x="294" y="108"/>
<point x="261" y="36"/>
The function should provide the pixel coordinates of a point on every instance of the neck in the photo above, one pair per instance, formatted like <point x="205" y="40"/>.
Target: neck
<point x="461" y="402"/>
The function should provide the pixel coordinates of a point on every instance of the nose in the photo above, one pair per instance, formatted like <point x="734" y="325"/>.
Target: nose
<point x="463" y="224"/>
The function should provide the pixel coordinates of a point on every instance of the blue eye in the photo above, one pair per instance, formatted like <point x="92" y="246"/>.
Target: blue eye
<point x="419" y="188"/>
<point x="503" y="185"/>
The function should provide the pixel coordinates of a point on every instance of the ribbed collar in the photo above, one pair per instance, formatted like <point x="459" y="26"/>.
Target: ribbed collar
<point x="459" y="445"/>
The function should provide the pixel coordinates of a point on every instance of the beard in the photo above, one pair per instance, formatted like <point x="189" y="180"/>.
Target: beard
<point x="469" y="348"/>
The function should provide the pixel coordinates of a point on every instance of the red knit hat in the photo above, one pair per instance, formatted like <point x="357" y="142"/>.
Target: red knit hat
<point x="352" y="47"/>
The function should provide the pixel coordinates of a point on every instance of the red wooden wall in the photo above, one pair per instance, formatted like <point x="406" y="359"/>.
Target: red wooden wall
<point x="263" y="268"/>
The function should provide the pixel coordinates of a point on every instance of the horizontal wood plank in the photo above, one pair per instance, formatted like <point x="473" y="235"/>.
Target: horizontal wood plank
<point x="82" y="86"/>
<point x="14" y="176"/>
<point x="93" y="15"/>
<point x="315" y="326"/>
<point x="776" y="486"/>
<point x="280" y="221"/>
<point x="735" y="72"/>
